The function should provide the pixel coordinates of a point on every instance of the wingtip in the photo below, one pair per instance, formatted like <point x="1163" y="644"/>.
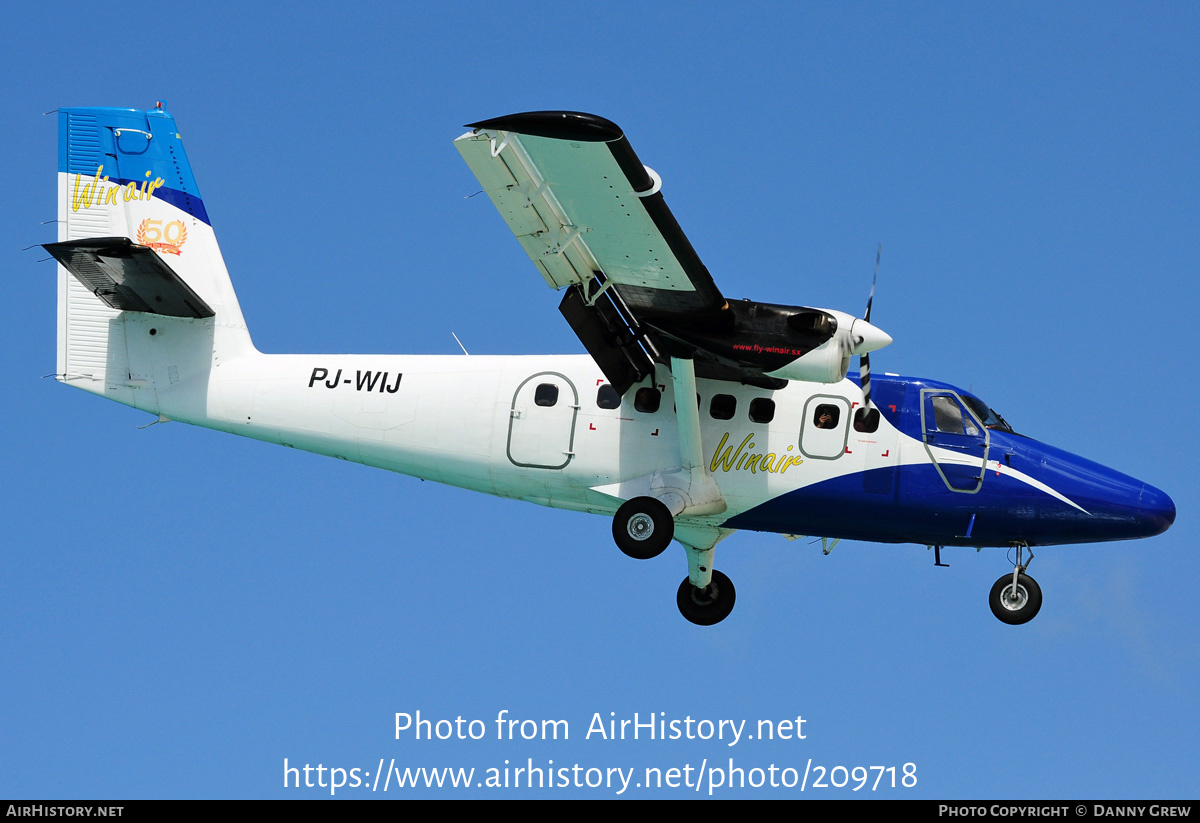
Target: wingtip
<point x="559" y="125"/>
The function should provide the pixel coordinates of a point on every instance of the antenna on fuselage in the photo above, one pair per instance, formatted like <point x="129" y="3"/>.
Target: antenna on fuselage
<point x="460" y="345"/>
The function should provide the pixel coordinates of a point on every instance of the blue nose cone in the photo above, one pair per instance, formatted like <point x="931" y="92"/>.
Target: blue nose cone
<point x="1156" y="511"/>
<point x="1104" y="504"/>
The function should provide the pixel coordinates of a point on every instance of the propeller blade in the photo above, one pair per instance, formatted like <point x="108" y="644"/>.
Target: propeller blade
<point x="864" y="374"/>
<point x="871" y="298"/>
<point x="864" y="361"/>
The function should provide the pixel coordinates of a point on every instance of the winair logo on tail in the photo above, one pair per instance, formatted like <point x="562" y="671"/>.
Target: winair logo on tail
<point x="96" y="192"/>
<point x="743" y="458"/>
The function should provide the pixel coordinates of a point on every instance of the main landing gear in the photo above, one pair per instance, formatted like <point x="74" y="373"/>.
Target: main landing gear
<point x="708" y="605"/>
<point x="1016" y="598"/>
<point x="642" y="529"/>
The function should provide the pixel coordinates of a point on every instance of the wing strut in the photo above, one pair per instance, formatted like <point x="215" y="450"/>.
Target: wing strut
<point x="702" y="491"/>
<point x="689" y="490"/>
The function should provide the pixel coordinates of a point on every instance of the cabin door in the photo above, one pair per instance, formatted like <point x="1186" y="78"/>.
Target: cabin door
<point x="541" y="423"/>
<point x="825" y="427"/>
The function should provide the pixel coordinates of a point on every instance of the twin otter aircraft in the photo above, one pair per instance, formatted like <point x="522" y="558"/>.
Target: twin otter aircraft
<point x="778" y="439"/>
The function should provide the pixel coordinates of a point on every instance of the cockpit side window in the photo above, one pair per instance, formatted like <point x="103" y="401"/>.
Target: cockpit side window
<point x="990" y="418"/>
<point x="948" y="416"/>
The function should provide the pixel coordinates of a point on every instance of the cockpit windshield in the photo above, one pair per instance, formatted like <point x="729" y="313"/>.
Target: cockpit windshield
<point x="990" y="418"/>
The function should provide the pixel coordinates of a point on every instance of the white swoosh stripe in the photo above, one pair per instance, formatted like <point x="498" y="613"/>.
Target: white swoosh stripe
<point x="996" y="466"/>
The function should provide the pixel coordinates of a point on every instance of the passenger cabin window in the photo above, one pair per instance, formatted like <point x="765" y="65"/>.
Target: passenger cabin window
<point x="647" y="399"/>
<point x="762" y="410"/>
<point x="866" y="420"/>
<point x="546" y="394"/>
<point x="722" y="406"/>
<point x="826" y="416"/>
<point x="607" y="397"/>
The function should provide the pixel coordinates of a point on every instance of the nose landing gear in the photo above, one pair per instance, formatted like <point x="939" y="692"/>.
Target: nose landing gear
<point x="1016" y="598"/>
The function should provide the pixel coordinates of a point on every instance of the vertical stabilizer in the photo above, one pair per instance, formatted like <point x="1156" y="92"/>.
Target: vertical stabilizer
<point x="123" y="176"/>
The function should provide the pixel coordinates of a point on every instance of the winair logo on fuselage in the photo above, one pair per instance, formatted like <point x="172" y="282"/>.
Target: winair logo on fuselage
<point x="96" y="193"/>
<point x="743" y="458"/>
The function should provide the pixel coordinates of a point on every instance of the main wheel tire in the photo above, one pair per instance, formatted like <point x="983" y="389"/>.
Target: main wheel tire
<point x="708" y="606"/>
<point x="643" y="527"/>
<point x="1015" y="606"/>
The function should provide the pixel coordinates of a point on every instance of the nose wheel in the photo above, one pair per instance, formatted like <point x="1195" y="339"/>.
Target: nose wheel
<point x="1016" y="598"/>
<point x="1015" y="602"/>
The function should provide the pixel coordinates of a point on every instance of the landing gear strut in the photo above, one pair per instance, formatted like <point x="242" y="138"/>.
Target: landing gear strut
<point x="1016" y="598"/>
<point x="709" y="605"/>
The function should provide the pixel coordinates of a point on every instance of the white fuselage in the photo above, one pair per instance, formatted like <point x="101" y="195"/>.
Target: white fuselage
<point x="475" y="422"/>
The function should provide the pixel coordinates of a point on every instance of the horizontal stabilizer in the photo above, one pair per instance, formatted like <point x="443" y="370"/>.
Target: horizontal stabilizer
<point x="129" y="277"/>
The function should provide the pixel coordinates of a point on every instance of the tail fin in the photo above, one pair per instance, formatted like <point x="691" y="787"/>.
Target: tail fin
<point x="136" y="250"/>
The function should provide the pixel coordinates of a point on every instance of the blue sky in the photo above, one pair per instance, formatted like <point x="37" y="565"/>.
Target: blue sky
<point x="182" y="610"/>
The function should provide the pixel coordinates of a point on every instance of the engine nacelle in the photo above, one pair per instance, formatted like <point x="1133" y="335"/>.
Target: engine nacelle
<point x="829" y="362"/>
<point x="776" y="341"/>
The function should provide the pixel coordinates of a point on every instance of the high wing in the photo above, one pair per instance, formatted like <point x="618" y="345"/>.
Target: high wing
<point x="580" y="201"/>
<point x="593" y="220"/>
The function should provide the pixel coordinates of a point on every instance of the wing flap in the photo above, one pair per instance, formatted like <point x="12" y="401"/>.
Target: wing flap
<point x="518" y="191"/>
